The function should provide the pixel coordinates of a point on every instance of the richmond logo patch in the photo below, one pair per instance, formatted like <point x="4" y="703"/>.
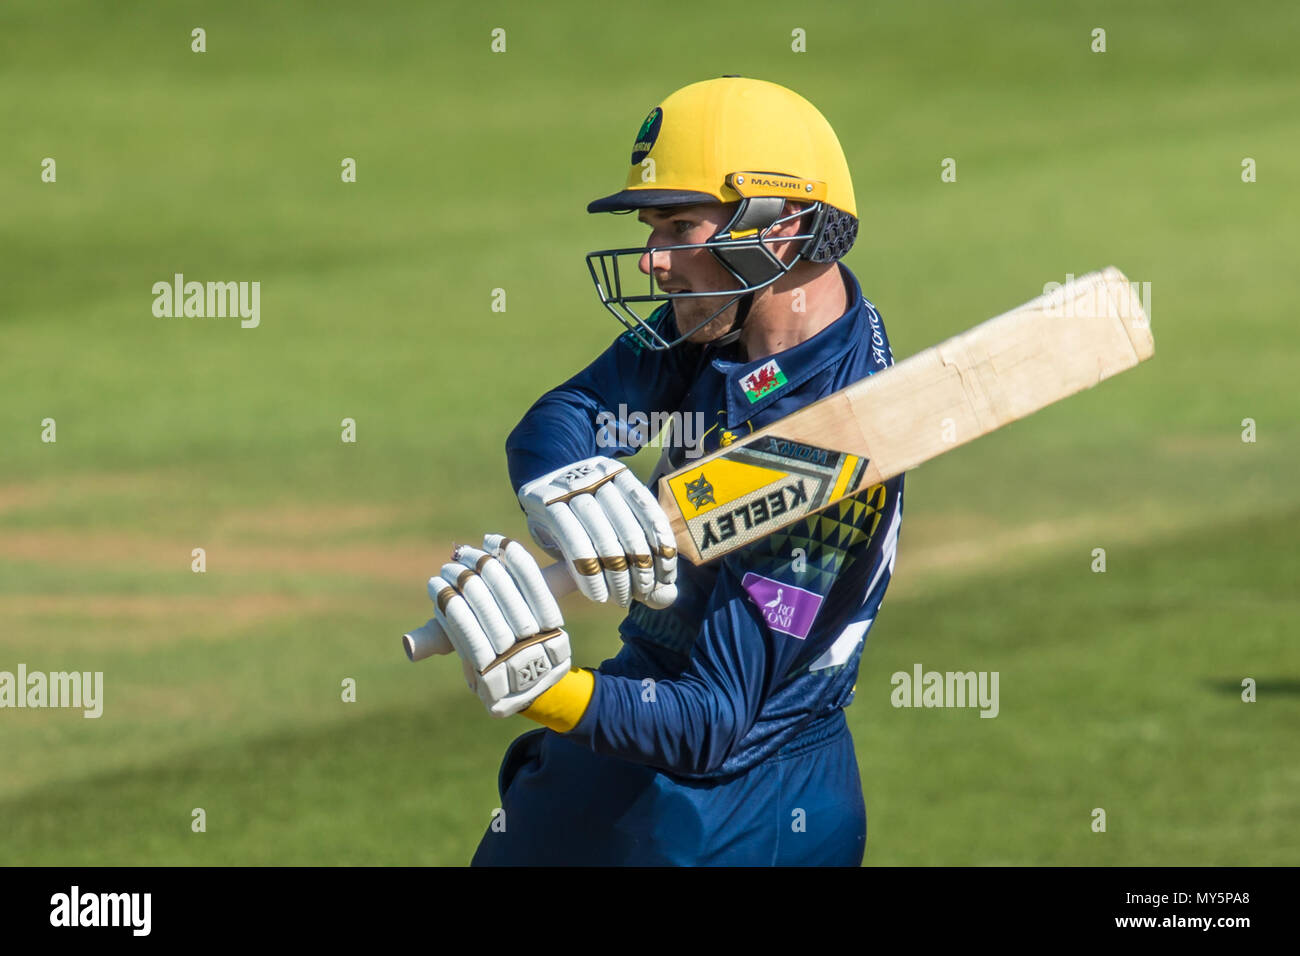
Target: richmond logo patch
<point x="786" y="608"/>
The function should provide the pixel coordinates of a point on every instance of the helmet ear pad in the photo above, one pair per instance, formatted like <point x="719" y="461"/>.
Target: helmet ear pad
<point x="750" y="261"/>
<point x="753" y="263"/>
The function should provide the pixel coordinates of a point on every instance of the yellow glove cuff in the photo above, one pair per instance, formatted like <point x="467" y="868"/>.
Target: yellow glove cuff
<point x="562" y="706"/>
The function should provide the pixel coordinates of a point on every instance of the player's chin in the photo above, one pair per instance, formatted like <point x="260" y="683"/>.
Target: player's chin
<point x="699" y="310"/>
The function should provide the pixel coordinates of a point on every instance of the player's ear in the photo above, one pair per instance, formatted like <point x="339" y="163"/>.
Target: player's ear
<point x="792" y="227"/>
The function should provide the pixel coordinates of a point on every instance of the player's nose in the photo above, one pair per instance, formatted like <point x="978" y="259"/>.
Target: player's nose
<point x="653" y="261"/>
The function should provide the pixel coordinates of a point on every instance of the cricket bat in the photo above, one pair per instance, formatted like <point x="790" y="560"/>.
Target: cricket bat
<point x="1005" y="369"/>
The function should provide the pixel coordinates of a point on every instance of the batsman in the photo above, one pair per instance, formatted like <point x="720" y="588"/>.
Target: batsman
<point x="717" y="735"/>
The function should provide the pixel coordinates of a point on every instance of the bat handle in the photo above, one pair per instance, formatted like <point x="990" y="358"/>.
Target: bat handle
<point x="430" y="639"/>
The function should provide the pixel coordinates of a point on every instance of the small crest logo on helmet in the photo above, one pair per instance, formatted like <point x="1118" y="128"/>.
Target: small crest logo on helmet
<point x="646" y="136"/>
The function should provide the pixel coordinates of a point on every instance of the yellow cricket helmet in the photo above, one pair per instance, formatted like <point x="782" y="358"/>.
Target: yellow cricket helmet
<point x="732" y="140"/>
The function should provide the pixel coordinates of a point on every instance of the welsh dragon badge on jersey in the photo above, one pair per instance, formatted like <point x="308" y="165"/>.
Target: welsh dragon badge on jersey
<point x="763" y="380"/>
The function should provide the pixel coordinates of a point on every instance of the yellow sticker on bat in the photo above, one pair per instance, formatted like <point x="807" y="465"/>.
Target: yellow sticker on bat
<point x="720" y="482"/>
<point x="750" y="490"/>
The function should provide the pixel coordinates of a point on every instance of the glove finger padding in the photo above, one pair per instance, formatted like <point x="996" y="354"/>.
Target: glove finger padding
<point x="487" y="612"/>
<point x="609" y="550"/>
<point x="512" y="603"/>
<point x="658" y="531"/>
<point x="661" y="597"/>
<point x="579" y="550"/>
<point x="632" y="539"/>
<point x="528" y="577"/>
<point x="462" y="627"/>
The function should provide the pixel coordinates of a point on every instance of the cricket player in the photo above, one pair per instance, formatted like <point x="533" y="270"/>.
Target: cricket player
<point x="717" y="735"/>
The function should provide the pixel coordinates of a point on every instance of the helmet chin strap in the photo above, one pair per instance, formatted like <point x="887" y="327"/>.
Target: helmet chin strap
<point x="738" y="324"/>
<point x="753" y="265"/>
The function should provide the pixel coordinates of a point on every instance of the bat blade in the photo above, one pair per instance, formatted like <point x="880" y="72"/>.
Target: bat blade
<point x="998" y="372"/>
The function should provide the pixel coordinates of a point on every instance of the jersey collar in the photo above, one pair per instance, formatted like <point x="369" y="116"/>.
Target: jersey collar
<point x="754" y="385"/>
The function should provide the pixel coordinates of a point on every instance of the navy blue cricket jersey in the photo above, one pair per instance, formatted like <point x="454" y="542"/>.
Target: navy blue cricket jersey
<point x="762" y="646"/>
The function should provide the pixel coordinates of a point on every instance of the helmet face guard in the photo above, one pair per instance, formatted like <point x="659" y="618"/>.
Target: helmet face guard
<point x="727" y="140"/>
<point x="742" y="247"/>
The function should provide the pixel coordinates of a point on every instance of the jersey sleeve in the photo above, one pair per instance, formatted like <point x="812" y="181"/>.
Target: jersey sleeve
<point x="691" y="723"/>
<point x="609" y="408"/>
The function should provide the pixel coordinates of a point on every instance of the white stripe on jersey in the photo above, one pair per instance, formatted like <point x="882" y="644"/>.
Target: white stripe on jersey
<point x="888" y="551"/>
<point x="839" y="652"/>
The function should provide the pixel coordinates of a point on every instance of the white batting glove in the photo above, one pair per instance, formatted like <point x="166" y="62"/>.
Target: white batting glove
<point x="608" y="528"/>
<point x="503" y="622"/>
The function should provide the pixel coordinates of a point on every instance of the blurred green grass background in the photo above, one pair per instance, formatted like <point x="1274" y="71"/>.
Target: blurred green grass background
<point x="1119" y="690"/>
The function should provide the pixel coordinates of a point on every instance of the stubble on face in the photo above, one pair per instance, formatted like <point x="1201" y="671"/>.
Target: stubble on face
<point x="695" y="270"/>
<point x="688" y="313"/>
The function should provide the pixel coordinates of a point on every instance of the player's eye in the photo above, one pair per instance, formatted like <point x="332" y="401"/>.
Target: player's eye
<point x="682" y="226"/>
